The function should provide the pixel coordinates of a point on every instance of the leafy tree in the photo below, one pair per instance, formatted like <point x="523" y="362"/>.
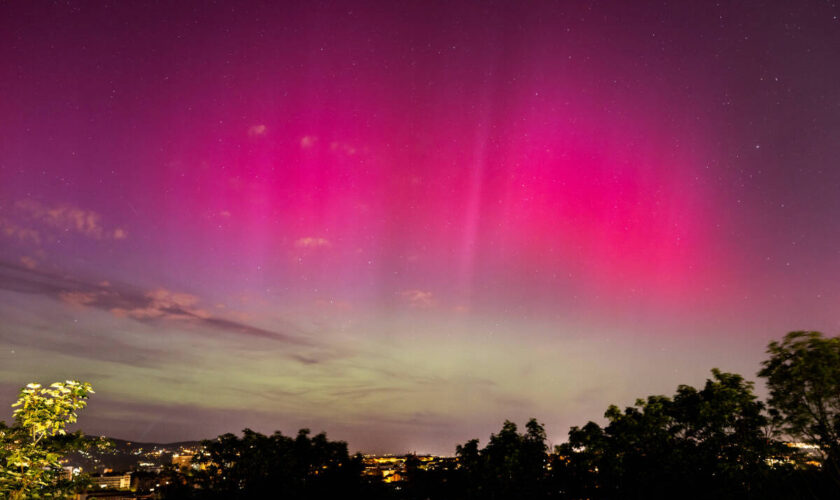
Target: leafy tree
<point x="578" y="466"/>
<point x="707" y="443"/>
<point x="30" y="450"/>
<point x="512" y="465"/>
<point x="470" y="479"/>
<point x="803" y="375"/>
<point x="424" y="483"/>
<point x="276" y="466"/>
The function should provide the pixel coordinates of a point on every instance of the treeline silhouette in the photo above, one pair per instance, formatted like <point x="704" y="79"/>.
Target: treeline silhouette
<point x="718" y="441"/>
<point x="276" y="466"/>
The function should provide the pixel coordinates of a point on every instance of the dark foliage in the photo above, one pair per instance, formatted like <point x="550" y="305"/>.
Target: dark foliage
<point x="803" y="375"/>
<point x="718" y="441"/>
<point x="276" y="466"/>
<point x="512" y="465"/>
<point x="708" y="443"/>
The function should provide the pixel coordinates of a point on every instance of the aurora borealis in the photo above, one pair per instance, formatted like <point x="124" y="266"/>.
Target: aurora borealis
<point x="404" y="222"/>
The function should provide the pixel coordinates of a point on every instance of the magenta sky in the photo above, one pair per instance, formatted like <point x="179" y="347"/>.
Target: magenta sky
<point x="405" y="222"/>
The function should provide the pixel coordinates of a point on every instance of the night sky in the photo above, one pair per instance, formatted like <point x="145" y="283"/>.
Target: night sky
<point x="404" y="222"/>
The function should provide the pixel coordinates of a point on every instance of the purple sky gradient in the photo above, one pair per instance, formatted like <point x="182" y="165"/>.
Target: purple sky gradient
<point x="404" y="222"/>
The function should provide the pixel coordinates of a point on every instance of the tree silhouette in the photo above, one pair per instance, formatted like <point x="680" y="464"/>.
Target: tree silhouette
<point x="715" y="441"/>
<point x="512" y="465"/>
<point x="276" y="466"/>
<point x="803" y="375"/>
<point x="707" y="443"/>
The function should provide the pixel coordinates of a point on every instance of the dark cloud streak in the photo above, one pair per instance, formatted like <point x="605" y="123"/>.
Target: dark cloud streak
<point x="131" y="301"/>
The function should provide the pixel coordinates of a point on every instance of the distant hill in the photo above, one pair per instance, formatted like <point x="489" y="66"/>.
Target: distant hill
<point x="124" y="443"/>
<point x="122" y="455"/>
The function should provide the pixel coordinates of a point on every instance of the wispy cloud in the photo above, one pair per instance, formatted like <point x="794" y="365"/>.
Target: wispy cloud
<point x="24" y="234"/>
<point x="78" y="298"/>
<point x="257" y="130"/>
<point x="308" y="141"/>
<point x="66" y="218"/>
<point x="164" y="303"/>
<point x="28" y="262"/>
<point x="312" y="242"/>
<point x="419" y="299"/>
<point x="159" y="305"/>
<point x="343" y="148"/>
